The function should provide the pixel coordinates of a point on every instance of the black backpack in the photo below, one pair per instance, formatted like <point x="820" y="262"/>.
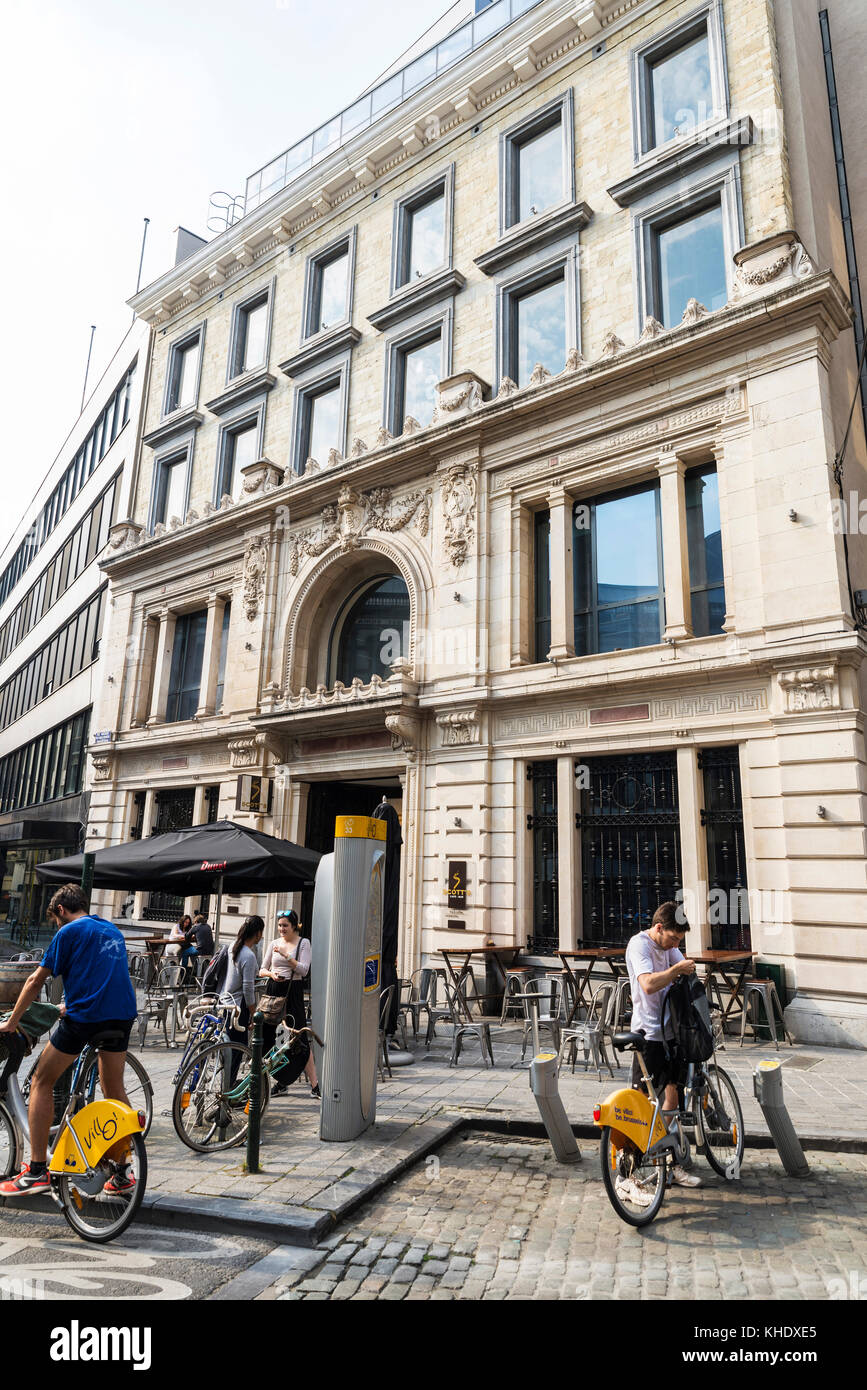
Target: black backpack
<point x="214" y="977"/>
<point x="687" y="1010"/>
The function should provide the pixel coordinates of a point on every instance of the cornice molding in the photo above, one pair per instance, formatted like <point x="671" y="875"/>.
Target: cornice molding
<point x="414" y="297"/>
<point x="244" y="389"/>
<point x="544" y="36"/>
<point x="522" y="241"/>
<point x="320" y="349"/>
<point x="670" y="164"/>
<point x="181" y="422"/>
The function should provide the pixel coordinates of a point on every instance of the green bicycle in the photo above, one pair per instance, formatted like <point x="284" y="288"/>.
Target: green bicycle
<point x="211" y="1101"/>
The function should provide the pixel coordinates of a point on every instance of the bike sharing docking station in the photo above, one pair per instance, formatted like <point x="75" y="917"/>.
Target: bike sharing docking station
<point x="768" y="1090"/>
<point x="543" y="1084"/>
<point x="347" y="974"/>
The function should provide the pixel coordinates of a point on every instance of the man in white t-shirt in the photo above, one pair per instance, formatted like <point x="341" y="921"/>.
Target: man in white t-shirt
<point x="654" y="962"/>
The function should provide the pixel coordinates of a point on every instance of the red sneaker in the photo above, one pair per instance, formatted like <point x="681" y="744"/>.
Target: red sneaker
<point x="25" y="1183"/>
<point x="120" y="1183"/>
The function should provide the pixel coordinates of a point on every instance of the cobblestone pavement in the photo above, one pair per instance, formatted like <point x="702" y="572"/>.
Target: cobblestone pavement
<point x="491" y="1220"/>
<point x="826" y="1091"/>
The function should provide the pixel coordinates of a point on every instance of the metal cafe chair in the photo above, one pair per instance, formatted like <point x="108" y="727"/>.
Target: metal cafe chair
<point x="591" y="1033"/>
<point x="384" y="1006"/>
<point x="464" y="1024"/>
<point x="541" y="997"/>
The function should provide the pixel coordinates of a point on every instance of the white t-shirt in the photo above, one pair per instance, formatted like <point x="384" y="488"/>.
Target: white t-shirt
<point x="644" y="957"/>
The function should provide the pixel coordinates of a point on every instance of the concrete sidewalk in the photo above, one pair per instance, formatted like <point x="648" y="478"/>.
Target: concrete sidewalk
<point x="305" y="1186"/>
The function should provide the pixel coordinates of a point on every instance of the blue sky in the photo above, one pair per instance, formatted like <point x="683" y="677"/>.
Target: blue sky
<point x="115" y="111"/>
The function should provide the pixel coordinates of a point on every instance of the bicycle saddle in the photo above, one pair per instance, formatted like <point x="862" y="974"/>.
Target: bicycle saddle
<point x="629" y="1042"/>
<point x="107" y="1035"/>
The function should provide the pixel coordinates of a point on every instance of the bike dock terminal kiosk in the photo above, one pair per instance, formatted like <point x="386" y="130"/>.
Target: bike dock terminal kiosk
<point x="347" y="974"/>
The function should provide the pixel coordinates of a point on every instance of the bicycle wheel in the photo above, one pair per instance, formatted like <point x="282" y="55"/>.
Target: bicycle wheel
<point x="635" y="1187"/>
<point x="719" y="1123"/>
<point x="10" y="1145"/>
<point x="210" y="1109"/>
<point x="95" y="1214"/>
<point x="136" y="1083"/>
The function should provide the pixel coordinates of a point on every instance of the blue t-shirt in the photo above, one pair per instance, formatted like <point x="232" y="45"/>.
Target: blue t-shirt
<point x="90" y="954"/>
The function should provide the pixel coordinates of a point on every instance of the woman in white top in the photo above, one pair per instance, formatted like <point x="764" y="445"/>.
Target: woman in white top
<point x="286" y="964"/>
<point x="179" y="944"/>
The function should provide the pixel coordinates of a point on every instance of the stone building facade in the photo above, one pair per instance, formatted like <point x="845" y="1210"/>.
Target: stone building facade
<point x="488" y="466"/>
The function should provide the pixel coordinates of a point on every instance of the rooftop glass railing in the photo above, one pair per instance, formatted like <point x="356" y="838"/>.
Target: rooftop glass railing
<point x="384" y="98"/>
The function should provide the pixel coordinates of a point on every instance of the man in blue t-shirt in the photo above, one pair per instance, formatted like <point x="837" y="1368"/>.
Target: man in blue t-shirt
<point x="90" y="954"/>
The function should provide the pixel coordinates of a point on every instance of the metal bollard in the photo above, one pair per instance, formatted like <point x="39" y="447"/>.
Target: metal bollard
<point x="255" y="1101"/>
<point x="543" y="1084"/>
<point x="768" y="1089"/>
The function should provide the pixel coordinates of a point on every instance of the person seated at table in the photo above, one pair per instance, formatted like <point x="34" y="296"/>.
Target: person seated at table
<point x="180" y="945"/>
<point x="654" y="962"/>
<point x="202" y="936"/>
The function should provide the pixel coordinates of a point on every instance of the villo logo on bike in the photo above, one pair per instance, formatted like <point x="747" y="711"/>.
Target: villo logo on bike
<point x="209" y="868"/>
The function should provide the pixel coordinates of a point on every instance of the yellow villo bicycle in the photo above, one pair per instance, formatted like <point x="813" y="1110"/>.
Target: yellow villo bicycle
<point x="98" y="1194"/>
<point x="640" y="1145"/>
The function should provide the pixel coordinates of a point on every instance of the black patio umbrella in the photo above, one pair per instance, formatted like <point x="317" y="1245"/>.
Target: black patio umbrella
<point x="390" y="905"/>
<point x="223" y="855"/>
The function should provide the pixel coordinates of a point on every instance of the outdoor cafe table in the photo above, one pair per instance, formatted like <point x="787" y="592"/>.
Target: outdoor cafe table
<point x="155" y="946"/>
<point x="726" y="963"/>
<point x="612" y="956"/>
<point x="501" y="956"/>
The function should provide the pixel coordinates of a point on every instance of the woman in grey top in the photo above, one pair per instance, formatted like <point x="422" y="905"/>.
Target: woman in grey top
<point x="241" y="981"/>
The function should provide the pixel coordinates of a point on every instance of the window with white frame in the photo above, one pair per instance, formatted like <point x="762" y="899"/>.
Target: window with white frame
<point x="680" y="80"/>
<point x="321" y="425"/>
<point x="688" y="262"/>
<point x="239" y="447"/>
<point x="331" y="293"/>
<point x="423" y="231"/>
<point x="417" y="369"/>
<point x="170" y="496"/>
<point x="537" y="315"/>
<point x="183" y="374"/>
<point x="537" y="163"/>
<point x="250" y="334"/>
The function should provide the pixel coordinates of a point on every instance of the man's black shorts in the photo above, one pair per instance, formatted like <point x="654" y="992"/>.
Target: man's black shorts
<point x="70" y="1037"/>
<point x="662" y="1068"/>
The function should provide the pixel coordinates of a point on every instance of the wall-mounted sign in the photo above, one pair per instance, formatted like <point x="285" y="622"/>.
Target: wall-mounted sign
<point x="102" y="736"/>
<point x="456" y="888"/>
<point x="254" y="795"/>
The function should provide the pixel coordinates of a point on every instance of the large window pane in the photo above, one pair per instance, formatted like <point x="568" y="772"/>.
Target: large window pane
<point x="253" y="326"/>
<point x="324" y="429"/>
<point x="422" y="370"/>
<point x="636" y="625"/>
<point x="680" y="88"/>
<point x="627" y="563"/>
<point x="617" y="590"/>
<point x="691" y="264"/>
<point x="542" y="585"/>
<point x="539" y="172"/>
<point x="703" y="528"/>
<point x="365" y="635"/>
<point x="704" y="537"/>
<point x="333" y="297"/>
<point x="186" y="367"/>
<point x="221" y="664"/>
<point x="425" y="236"/>
<point x="174" y="490"/>
<point x="541" y="330"/>
<point x="240" y="451"/>
<point x="186" y="673"/>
